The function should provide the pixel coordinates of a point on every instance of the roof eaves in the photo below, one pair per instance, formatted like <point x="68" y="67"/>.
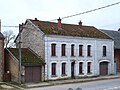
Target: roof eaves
<point x="106" y="34"/>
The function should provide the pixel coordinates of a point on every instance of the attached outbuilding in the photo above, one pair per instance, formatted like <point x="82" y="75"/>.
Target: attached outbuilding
<point x="32" y="69"/>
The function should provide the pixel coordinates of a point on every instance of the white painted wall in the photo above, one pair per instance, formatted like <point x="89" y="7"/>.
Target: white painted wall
<point x="96" y="52"/>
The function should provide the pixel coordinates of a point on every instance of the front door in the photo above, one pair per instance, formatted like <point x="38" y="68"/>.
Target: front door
<point x="72" y="69"/>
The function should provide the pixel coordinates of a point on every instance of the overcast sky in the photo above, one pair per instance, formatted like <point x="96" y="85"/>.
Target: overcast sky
<point x="15" y="12"/>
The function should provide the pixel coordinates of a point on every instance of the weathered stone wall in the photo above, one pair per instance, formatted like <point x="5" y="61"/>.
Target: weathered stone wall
<point x="32" y="37"/>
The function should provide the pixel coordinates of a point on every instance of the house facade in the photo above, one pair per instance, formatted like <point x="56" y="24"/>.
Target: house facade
<point x="116" y="37"/>
<point x="69" y="51"/>
<point x="1" y="54"/>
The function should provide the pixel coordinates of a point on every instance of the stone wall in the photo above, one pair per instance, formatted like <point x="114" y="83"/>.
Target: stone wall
<point x="32" y="37"/>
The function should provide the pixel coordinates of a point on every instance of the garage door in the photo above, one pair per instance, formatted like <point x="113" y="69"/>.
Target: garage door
<point x="104" y="68"/>
<point x="33" y="73"/>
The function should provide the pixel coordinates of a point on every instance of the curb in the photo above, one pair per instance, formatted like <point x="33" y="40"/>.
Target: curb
<point x="15" y="86"/>
<point x="52" y="83"/>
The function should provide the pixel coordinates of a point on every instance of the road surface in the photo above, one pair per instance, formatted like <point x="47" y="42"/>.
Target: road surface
<point x="113" y="84"/>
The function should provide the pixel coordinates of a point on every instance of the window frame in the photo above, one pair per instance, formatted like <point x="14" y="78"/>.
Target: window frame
<point x="104" y="51"/>
<point x="63" y="50"/>
<point x="72" y="50"/>
<point x="89" y="50"/>
<point x="63" y="69"/>
<point x="80" y="50"/>
<point x="53" y="49"/>
<point x="80" y="67"/>
<point x="53" y="69"/>
<point x="89" y="67"/>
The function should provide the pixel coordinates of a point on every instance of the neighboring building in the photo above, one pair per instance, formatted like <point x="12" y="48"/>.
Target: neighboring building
<point x="1" y="54"/>
<point x="69" y="51"/>
<point x="32" y="65"/>
<point x="116" y="37"/>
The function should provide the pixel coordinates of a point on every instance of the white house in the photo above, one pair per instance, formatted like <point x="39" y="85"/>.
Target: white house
<point x="69" y="51"/>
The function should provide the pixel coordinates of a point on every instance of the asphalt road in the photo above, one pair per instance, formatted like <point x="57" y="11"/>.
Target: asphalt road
<point x="113" y="84"/>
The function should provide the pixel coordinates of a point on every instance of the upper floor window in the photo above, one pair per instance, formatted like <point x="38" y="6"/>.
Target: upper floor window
<point x="104" y="51"/>
<point x="63" y="48"/>
<point x="53" y="67"/>
<point x="89" y="50"/>
<point x="80" y="50"/>
<point x="53" y="49"/>
<point x="72" y="49"/>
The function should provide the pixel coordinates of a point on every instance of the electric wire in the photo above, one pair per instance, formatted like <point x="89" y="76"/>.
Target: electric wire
<point x="88" y="11"/>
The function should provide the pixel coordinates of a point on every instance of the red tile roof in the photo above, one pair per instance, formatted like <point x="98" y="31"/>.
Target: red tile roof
<point x="69" y="30"/>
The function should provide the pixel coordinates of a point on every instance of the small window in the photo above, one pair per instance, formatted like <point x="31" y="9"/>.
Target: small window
<point x="80" y="68"/>
<point x="80" y="50"/>
<point x="53" y="69"/>
<point x="63" y="48"/>
<point x="89" y="50"/>
<point x="63" y="68"/>
<point x="72" y="50"/>
<point x="53" y="49"/>
<point x="89" y="67"/>
<point x="104" y="51"/>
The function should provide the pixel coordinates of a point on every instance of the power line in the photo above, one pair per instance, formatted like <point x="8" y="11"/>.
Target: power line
<point x="78" y="13"/>
<point x="11" y="26"/>
<point x="110" y="24"/>
<point x="88" y="11"/>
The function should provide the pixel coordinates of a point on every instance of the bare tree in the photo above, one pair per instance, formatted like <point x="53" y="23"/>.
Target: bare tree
<point x="9" y="38"/>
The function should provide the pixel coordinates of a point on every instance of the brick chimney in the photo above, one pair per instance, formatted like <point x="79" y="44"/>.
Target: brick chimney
<point x="80" y="24"/>
<point x="59" y="22"/>
<point x="36" y="21"/>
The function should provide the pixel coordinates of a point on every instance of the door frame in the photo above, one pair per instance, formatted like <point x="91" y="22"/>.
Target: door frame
<point x="73" y="69"/>
<point x="106" y="67"/>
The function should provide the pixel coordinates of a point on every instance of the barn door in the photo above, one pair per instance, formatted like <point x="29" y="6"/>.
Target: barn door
<point x="104" y="68"/>
<point x="33" y="73"/>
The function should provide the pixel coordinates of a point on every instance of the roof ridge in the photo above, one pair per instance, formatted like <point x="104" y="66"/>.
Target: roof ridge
<point x="62" y="23"/>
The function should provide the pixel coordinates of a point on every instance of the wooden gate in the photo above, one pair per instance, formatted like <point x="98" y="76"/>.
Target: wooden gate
<point x="33" y="73"/>
<point x="104" y="68"/>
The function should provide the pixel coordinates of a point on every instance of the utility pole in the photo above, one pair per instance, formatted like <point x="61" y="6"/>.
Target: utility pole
<point x="19" y="43"/>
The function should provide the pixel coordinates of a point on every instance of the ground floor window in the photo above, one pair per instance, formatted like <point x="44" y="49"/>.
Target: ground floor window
<point x="89" y="67"/>
<point x="53" y="69"/>
<point x="80" y="68"/>
<point x="63" y="68"/>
